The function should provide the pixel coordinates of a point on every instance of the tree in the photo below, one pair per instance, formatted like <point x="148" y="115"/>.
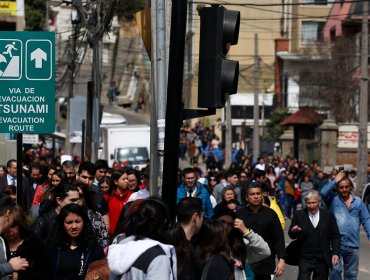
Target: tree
<point x="35" y="14"/>
<point x="273" y="129"/>
<point x="127" y="8"/>
<point x="327" y="80"/>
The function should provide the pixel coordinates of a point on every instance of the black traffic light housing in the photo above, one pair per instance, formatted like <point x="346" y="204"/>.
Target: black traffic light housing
<point x="218" y="76"/>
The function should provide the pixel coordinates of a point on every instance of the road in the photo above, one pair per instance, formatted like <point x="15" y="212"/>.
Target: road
<point x="129" y="114"/>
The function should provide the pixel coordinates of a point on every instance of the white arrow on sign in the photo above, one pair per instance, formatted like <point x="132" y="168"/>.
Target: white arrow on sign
<point x="38" y="56"/>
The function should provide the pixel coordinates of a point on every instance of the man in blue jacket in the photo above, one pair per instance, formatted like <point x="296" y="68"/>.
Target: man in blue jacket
<point x="191" y="188"/>
<point x="349" y="211"/>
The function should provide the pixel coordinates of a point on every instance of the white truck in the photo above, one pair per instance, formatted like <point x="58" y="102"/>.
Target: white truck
<point x="127" y="143"/>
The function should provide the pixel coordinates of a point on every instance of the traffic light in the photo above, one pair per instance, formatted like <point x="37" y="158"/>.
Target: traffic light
<point x="218" y="76"/>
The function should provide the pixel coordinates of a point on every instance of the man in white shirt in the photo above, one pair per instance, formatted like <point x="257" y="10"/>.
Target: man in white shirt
<point x="317" y="239"/>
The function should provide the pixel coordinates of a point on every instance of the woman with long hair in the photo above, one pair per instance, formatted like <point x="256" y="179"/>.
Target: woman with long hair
<point x="213" y="249"/>
<point x="143" y="255"/>
<point x="21" y="243"/>
<point x="73" y="244"/>
<point x="119" y="184"/>
<point x="8" y="268"/>
<point x="245" y="246"/>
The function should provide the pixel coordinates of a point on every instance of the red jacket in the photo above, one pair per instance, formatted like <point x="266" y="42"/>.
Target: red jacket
<point x="116" y="202"/>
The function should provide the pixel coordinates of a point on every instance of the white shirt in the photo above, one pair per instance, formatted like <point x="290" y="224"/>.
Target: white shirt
<point x="11" y="180"/>
<point x="314" y="218"/>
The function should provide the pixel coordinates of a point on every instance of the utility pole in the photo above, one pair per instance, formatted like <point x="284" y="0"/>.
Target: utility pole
<point x="362" y="152"/>
<point x="228" y="133"/>
<point x="71" y="70"/>
<point x="256" y="111"/>
<point x="159" y="78"/>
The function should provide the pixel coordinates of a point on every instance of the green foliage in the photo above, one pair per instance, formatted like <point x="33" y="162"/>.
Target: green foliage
<point x="274" y="130"/>
<point x="35" y="14"/>
<point x="127" y="8"/>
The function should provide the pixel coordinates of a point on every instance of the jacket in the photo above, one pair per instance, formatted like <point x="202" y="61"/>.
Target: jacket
<point x="348" y="220"/>
<point x="116" y="202"/>
<point x="43" y="226"/>
<point x="6" y="268"/>
<point x="328" y="231"/>
<point x="90" y="255"/>
<point x="201" y="193"/>
<point x="266" y="223"/>
<point x="125" y="263"/>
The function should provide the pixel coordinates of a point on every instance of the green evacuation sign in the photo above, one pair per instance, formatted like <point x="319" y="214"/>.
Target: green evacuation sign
<point x="27" y="82"/>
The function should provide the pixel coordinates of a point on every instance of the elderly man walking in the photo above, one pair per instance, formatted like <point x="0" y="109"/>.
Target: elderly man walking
<point x="317" y="235"/>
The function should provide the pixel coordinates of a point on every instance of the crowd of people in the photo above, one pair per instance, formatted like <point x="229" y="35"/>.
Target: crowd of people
<point x="229" y="223"/>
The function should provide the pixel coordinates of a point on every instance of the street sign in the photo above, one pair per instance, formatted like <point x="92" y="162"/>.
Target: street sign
<point x="27" y="82"/>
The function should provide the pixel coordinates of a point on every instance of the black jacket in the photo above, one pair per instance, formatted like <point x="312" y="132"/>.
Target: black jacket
<point x="43" y="226"/>
<point x="328" y="231"/>
<point x="266" y="223"/>
<point x="39" y="266"/>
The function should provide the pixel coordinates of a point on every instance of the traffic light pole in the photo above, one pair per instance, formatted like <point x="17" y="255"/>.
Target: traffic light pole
<point x="174" y="104"/>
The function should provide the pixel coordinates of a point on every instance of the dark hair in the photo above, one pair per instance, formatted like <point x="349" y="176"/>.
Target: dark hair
<point x="87" y="166"/>
<point x="231" y="172"/>
<point x="259" y="173"/>
<point x="187" y="207"/>
<point x="9" y="190"/>
<point x="3" y="167"/>
<point x="20" y="220"/>
<point x="253" y="185"/>
<point x="134" y="172"/>
<point x="60" y="173"/>
<point x="61" y="191"/>
<point x="100" y="164"/>
<point x="187" y="170"/>
<point x="60" y="238"/>
<point x="125" y="221"/>
<point x="151" y="219"/>
<point x="6" y="203"/>
<point x="235" y="239"/>
<point x="212" y="240"/>
<point x="9" y="163"/>
<point x="115" y="176"/>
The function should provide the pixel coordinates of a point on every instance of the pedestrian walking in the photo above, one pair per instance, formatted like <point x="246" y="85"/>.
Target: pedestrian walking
<point x="265" y="222"/>
<point x="143" y="255"/>
<point x="350" y="212"/>
<point x="317" y="237"/>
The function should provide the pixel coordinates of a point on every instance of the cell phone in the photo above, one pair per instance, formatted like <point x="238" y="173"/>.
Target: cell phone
<point x="341" y="168"/>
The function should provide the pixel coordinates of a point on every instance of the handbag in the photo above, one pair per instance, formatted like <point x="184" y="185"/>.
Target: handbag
<point x="98" y="270"/>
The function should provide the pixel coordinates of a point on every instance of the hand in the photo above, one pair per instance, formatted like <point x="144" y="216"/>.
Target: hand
<point x="334" y="260"/>
<point x="296" y="229"/>
<point x="18" y="263"/>
<point x="239" y="224"/>
<point x="280" y="267"/>
<point x="14" y="276"/>
<point x="340" y="176"/>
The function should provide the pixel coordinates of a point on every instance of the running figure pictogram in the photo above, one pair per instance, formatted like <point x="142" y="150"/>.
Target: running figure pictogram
<point x="9" y="48"/>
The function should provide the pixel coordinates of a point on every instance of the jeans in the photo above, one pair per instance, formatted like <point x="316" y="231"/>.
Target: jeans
<point x="289" y="201"/>
<point x="349" y="260"/>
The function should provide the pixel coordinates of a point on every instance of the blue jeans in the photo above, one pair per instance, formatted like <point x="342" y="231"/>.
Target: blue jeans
<point x="349" y="260"/>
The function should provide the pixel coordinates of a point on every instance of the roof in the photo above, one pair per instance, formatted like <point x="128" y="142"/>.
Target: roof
<point x="304" y="116"/>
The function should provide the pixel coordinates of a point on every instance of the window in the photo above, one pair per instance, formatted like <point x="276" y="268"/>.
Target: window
<point x="317" y="2"/>
<point x="311" y="32"/>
